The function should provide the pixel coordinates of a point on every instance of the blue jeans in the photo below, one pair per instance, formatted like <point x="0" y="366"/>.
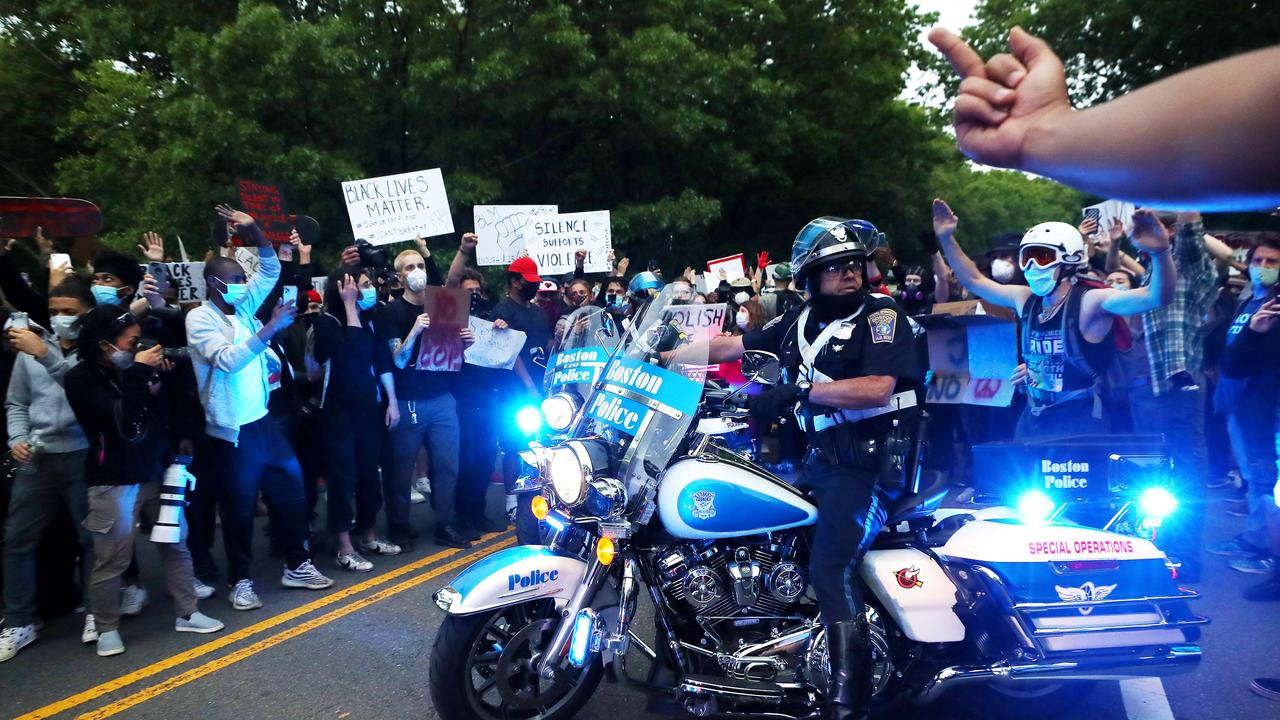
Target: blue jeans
<point x="1179" y="416"/>
<point x="437" y="426"/>
<point x="1255" y="449"/>
<point x="261" y="460"/>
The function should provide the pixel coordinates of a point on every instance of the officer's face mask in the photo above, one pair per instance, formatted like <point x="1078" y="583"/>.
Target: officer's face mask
<point x="1042" y="280"/>
<point x="1263" y="277"/>
<point x="1002" y="270"/>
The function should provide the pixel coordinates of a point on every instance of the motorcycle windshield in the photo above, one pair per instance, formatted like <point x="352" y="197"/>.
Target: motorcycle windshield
<point x="589" y="337"/>
<point x="643" y="405"/>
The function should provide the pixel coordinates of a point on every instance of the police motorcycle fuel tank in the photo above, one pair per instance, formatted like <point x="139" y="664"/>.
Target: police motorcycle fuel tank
<point x="647" y="518"/>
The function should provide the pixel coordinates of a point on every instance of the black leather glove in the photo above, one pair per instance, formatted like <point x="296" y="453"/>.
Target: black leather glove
<point x="772" y="403"/>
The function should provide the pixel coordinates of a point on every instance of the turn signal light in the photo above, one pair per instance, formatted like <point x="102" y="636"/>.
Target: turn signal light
<point x="605" y="550"/>
<point x="540" y="507"/>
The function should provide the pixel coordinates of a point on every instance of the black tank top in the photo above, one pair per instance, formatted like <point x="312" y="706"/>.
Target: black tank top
<point x="1061" y="364"/>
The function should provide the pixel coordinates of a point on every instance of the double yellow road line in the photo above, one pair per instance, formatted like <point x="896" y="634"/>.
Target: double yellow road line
<point x="272" y="640"/>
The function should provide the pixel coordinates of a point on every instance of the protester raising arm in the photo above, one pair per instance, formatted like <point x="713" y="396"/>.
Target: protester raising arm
<point x="1219" y="121"/>
<point x="945" y="223"/>
<point x="465" y="256"/>
<point x="264" y="280"/>
<point x="1150" y="235"/>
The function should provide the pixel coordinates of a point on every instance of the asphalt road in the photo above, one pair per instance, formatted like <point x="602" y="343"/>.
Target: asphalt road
<point x="361" y="650"/>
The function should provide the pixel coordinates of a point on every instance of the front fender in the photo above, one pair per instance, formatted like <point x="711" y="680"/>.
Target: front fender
<point x="510" y="576"/>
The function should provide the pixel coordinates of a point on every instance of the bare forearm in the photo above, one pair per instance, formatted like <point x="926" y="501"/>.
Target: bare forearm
<point x="725" y="349"/>
<point x="1188" y="140"/>
<point x="460" y="262"/>
<point x="941" y="281"/>
<point x="855" y="393"/>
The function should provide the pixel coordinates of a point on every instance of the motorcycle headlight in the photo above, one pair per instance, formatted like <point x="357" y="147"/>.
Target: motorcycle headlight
<point x="559" y="410"/>
<point x="568" y="468"/>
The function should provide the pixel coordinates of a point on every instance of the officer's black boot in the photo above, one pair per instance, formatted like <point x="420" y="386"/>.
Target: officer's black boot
<point x="850" y="652"/>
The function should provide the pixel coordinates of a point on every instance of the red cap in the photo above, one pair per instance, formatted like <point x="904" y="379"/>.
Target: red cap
<point x="313" y="296"/>
<point x="527" y="268"/>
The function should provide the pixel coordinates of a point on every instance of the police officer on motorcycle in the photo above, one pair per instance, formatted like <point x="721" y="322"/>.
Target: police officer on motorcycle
<point x="849" y="377"/>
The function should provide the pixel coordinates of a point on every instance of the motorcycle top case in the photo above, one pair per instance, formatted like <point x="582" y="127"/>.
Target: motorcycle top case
<point x="702" y="499"/>
<point x="515" y="575"/>
<point x="1076" y="468"/>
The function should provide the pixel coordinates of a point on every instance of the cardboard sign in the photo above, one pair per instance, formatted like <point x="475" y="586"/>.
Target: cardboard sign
<point x="441" y="347"/>
<point x="265" y="202"/>
<point x="493" y="348"/>
<point x="248" y="259"/>
<point x="499" y="226"/>
<point x="56" y="217"/>
<point x="553" y="240"/>
<point x="973" y="350"/>
<point x="699" y="322"/>
<point x="188" y="279"/>
<point x="395" y="208"/>
<point x="733" y="266"/>
<point x="1107" y="211"/>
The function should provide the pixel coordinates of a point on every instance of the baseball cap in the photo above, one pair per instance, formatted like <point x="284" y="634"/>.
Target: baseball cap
<point x="741" y="282"/>
<point x="313" y="296"/>
<point x="548" y="286"/>
<point x="527" y="268"/>
<point x="782" y="271"/>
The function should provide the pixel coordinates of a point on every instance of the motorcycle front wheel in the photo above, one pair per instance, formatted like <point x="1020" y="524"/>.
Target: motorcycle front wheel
<point x="481" y="667"/>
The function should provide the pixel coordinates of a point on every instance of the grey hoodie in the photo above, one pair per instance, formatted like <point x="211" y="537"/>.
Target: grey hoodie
<point x="36" y="405"/>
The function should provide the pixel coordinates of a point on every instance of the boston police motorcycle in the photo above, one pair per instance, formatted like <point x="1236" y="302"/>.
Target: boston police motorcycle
<point x="1017" y="616"/>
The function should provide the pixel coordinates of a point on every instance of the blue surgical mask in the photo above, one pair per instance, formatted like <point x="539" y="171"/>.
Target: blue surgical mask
<point x="233" y="293"/>
<point x="1042" y="280"/>
<point x="64" y="326"/>
<point x="1263" y="277"/>
<point x="105" y="294"/>
<point x="368" y="298"/>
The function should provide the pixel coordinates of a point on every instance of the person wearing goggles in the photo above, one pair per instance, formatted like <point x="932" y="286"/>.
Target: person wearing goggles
<point x="1066" y="338"/>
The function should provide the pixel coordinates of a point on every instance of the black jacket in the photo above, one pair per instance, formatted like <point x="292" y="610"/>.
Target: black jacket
<point x="124" y="422"/>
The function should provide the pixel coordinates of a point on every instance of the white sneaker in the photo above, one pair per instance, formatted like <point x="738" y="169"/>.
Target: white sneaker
<point x="13" y="639"/>
<point x="90" y="632"/>
<point x="203" y="592"/>
<point x="422" y="485"/>
<point x="416" y="497"/>
<point x="197" y="623"/>
<point x="109" y="643"/>
<point x="353" y="562"/>
<point x="132" y="599"/>
<point x="380" y="547"/>
<point x="243" y="597"/>
<point x="305" y="576"/>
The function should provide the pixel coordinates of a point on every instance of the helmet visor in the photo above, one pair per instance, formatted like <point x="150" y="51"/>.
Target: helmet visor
<point x="1038" y="255"/>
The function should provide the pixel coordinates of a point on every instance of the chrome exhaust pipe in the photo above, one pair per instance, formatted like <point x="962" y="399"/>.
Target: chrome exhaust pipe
<point x="1173" y="661"/>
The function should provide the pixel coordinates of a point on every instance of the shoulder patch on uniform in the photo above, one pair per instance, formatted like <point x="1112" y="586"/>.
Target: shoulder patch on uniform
<point x="883" y="324"/>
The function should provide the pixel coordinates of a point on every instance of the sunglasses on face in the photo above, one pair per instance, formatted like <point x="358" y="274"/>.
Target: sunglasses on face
<point x="840" y="268"/>
<point x="1037" y="254"/>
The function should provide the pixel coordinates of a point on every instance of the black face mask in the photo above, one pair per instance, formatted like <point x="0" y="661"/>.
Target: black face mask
<point x="834" y="307"/>
<point x="396" y="292"/>
<point x="528" y="291"/>
<point x="479" y="304"/>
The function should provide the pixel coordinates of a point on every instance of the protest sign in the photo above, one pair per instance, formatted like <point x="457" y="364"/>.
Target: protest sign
<point x="1106" y="211"/>
<point x="265" y="202"/>
<point x="441" y="347"/>
<point x="56" y="217"/>
<point x="733" y="267"/>
<point x="499" y="226"/>
<point x="699" y="323"/>
<point x="553" y="240"/>
<point x="395" y="208"/>
<point x="973" y="350"/>
<point x="493" y="348"/>
<point x="188" y="279"/>
<point x="319" y="283"/>
<point x="248" y="259"/>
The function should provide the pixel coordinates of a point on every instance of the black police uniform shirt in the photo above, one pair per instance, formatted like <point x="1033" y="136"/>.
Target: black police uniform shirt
<point x="880" y="343"/>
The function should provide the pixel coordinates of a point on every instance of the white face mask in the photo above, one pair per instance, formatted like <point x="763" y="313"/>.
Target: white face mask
<point x="64" y="326"/>
<point x="741" y="297"/>
<point x="743" y="320"/>
<point x="1042" y="280"/>
<point x="1002" y="270"/>
<point x="416" y="281"/>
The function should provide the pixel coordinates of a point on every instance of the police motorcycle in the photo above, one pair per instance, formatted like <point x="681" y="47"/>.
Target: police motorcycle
<point x="1016" y="616"/>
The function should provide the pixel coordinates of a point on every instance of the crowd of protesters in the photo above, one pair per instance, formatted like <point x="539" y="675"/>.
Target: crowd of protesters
<point x="109" y="381"/>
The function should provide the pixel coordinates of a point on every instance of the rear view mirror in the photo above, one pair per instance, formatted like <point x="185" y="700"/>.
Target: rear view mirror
<point x="762" y="367"/>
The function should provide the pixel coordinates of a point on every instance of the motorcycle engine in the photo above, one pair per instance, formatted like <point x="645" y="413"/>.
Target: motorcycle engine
<point x="739" y="592"/>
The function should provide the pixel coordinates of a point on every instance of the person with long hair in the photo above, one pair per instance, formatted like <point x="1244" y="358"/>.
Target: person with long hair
<point x="350" y="398"/>
<point x="118" y="399"/>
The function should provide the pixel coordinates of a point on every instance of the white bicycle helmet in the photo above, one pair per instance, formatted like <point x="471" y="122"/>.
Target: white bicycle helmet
<point x="1052" y="243"/>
